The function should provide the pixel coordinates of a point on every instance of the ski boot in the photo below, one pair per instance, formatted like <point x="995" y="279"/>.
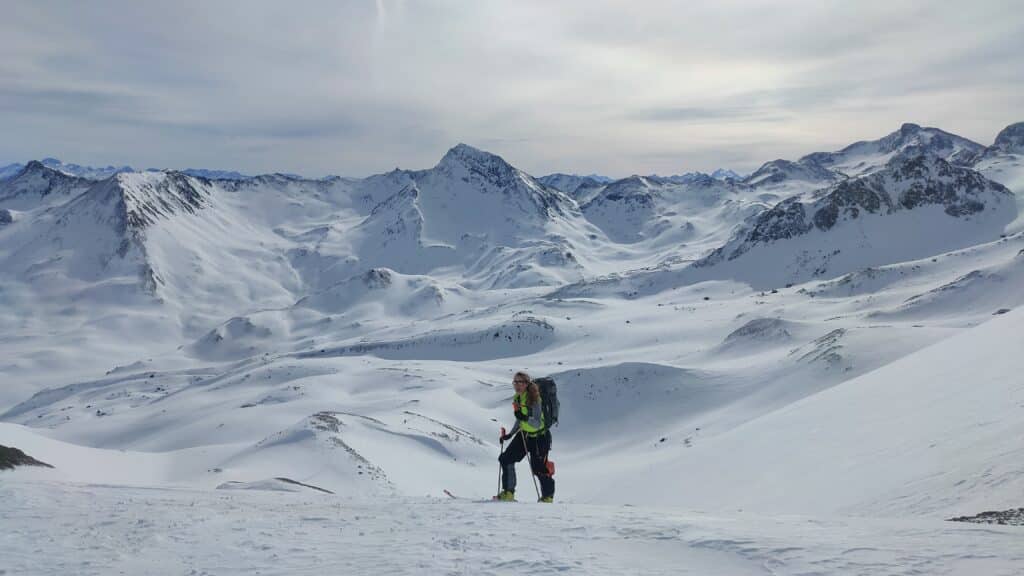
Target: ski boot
<point x="506" y="496"/>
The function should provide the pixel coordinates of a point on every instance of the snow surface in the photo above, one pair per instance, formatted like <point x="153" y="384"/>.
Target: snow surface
<point x="199" y="358"/>
<point x="60" y="528"/>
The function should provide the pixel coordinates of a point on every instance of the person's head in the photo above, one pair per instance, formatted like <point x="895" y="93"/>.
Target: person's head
<point x="522" y="382"/>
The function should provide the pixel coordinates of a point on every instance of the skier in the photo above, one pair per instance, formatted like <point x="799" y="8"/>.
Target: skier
<point x="528" y="435"/>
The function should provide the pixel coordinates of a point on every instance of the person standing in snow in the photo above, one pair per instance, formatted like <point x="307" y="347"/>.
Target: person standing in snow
<point x="530" y="436"/>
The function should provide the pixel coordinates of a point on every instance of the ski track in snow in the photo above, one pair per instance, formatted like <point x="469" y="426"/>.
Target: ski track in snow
<point x="64" y="528"/>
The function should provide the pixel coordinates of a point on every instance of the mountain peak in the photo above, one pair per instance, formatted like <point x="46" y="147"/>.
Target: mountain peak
<point x="143" y="198"/>
<point x="1011" y="139"/>
<point x="35" y="166"/>
<point x="932" y="139"/>
<point x="724" y="174"/>
<point x="864" y="157"/>
<point x="469" y="156"/>
<point x="571" y="184"/>
<point x="36" y="170"/>
<point x="779" y="171"/>
<point x="79" y="171"/>
<point x="910" y="128"/>
<point x="36" y="184"/>
<point x="467" y="163"/>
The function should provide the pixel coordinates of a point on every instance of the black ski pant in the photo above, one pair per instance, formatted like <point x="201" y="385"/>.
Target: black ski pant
<point x="538" y="447"/>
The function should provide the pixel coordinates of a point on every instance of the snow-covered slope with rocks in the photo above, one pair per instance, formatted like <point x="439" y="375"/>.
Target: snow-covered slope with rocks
<point x="1004" y="163"/>
<point x="917" y="206"/>
<point x="781" y="179"/>
<point x="831" y="338"/>
<point x="36" y="186"/>
<point x="866" y="157"/>
<point x="572" y="184"/>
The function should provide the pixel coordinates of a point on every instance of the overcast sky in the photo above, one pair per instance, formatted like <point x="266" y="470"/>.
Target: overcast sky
<point x="359" y="87"/>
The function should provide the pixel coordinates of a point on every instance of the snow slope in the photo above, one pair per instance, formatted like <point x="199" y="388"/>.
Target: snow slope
<point x="879" y="444"/>
<point x="827" y="343"/>
<point x="162" y="531"/>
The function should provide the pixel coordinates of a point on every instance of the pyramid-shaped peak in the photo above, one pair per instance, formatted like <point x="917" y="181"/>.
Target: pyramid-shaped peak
<point x="464" y="161"/>
<point x="466" y="154"/>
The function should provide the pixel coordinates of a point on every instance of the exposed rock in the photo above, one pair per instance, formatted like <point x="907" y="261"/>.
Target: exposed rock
<point x="1012" y="517"/>
<point x="11" y="458"/>
<point x="760" y="330"/>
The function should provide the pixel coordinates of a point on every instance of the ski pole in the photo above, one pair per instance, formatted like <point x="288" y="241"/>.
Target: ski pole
<point x="500" y="452"/>
<point x="530" y="460"/>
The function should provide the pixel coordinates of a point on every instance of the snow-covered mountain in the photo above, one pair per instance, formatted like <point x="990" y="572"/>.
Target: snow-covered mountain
<point x="10" y="170"/>
<point x="104" y="172"/>
<point x="725" y="174"/>
<point x="819" y="169"/>
<point x="88" y="172"/>
<point x="865" y="157"/>
<point x="103" y="229"/>
<point x="76" y="170"/>
<point x="473" y="210"/>
<point x="35" y="186"/>
<point x="674" y="213"/>
<point x="1004" y="163"/>
<point x="625" y="208"/>
<point x="719" y="344"/>
<point x="1010" y="140"/>
<point x="215" y="174"/>
<point x="780" y="179"/>
<point x="572" y="184"/>
<point x="917" y="206"/>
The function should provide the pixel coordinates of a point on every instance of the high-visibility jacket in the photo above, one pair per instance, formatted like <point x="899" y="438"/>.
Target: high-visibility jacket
<point x="529" y="418"/>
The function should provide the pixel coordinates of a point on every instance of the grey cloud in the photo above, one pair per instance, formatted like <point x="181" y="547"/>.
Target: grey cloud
<point x="695" y="115"/>
<point x="66" y="101"/>
<point x="590" y="86"/>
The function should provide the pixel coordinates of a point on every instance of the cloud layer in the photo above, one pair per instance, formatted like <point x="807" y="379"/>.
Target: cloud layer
<point x="324" y="87"/>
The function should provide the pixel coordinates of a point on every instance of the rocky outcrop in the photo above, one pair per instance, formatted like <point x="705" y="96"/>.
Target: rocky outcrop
<point x="11" y="458"/>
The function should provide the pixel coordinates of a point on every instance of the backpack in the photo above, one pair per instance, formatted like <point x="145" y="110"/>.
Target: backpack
<point x="548" y="400"/>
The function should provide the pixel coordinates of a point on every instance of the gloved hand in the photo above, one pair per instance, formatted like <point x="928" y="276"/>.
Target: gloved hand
<point x="504" y="437"/>
<point x="517" y="410"/>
